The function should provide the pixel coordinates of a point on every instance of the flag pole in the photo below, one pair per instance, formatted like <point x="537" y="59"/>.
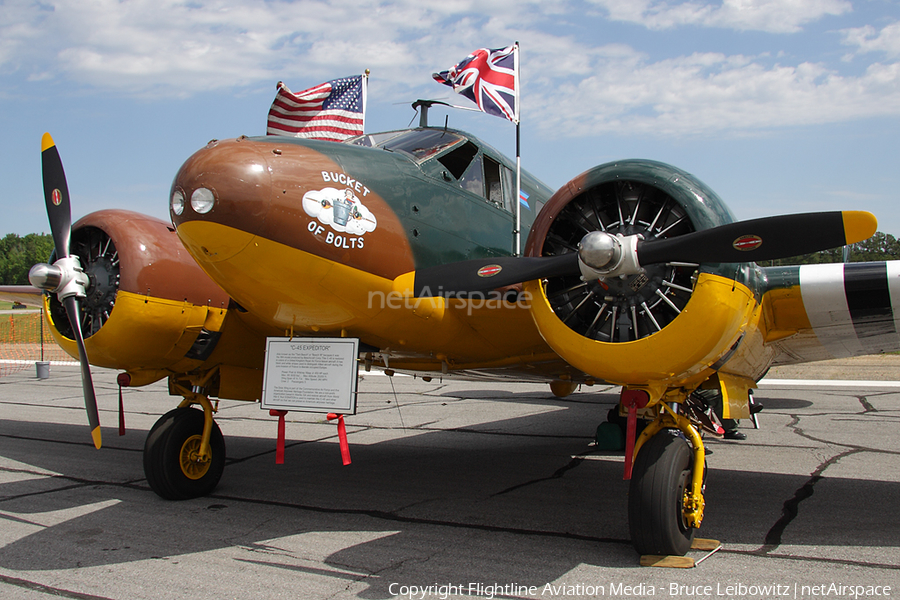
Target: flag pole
<point x="518" y="194"/>
<point x="365" y="92"/>
<point x="518" y="160"/>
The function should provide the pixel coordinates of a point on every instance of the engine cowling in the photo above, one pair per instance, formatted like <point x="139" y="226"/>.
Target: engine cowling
<point x="665" y="323"/>
<point x="149" y="308"/>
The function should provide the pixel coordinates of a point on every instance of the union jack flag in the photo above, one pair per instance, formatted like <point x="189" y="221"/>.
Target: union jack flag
<point x="334" y="110"/>
<point x="489" y="78"/>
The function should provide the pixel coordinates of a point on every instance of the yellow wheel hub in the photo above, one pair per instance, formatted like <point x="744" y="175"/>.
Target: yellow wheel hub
<point x="188" y="458"/>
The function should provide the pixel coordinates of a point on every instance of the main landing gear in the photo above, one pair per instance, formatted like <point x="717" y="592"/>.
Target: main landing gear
<point x="656" y="516"/>
<point x="665" y="500"/>
<point x="184" y="455"/>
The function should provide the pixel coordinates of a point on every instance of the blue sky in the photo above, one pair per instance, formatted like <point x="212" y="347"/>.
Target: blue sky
<point x="781" y="106"/>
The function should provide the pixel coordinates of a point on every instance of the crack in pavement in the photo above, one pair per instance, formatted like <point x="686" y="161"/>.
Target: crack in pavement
<point x="791" y="507"/>
<point x="867" y="406"/>
<point x="575" y="462"/>
<point x="393" y="517"/>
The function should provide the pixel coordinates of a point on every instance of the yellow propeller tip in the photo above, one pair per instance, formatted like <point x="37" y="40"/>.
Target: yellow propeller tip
<point x="95" y="434"/>
<point x="859" y="225"/>
<point x="46" y="142"/>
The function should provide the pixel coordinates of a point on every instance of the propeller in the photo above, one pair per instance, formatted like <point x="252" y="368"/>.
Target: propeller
<point x="485" y="274"/>
<point x="65" y="277"/>
<point x="602" y="255"/>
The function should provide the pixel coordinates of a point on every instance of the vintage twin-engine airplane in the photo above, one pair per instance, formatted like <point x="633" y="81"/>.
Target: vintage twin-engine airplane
<point x="634" y="273"/>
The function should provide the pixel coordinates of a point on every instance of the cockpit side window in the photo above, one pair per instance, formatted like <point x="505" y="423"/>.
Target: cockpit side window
<point x="492" y="184"/>
<point x="458" y="159"/>
<point x="509" y="189"/>
<point x="473" y="179"/>
<point x="473" y="170"/>
<point x="491" y="180"/>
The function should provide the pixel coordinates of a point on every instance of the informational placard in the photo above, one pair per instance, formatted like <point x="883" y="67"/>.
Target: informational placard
<point x="311" y="374"/>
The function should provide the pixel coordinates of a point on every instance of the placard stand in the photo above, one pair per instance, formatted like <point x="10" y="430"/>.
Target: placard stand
<point x="311" y="375"/>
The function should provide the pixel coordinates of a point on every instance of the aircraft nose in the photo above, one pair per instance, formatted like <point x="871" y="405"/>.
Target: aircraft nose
<point x="220" y="198"/>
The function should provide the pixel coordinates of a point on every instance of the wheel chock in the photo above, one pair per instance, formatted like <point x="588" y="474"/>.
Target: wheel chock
<point x="671" y="562"/>
<point x="683" y="562"/>
<point x="708" y="545"/>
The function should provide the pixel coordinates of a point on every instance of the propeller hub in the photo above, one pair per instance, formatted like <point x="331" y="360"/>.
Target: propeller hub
<point x="601" y="255"/>
<point x="45" y="277"/>
<point x="599" y="250"/>
<point x="65" y="278"/>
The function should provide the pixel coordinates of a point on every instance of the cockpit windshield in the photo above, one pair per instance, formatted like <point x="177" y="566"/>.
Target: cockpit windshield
<point x="421" y="144"/>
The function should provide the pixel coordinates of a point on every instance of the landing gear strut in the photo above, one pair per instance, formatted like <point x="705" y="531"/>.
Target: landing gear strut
<point x="665" y="501"/>
<point x="184" y="454"/>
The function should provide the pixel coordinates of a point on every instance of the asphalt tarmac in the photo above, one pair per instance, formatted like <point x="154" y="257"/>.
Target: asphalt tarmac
<point x="456" y="490"/>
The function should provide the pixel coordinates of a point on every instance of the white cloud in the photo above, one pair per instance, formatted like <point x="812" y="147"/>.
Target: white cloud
<point x="153" y="47"/>
<point x="775" y="16"/>
<point x="867" y="39"/>
<point x="708" y="92"/>
<point x="572" y="86"/>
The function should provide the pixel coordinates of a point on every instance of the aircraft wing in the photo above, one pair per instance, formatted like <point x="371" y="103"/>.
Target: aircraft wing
<point x="23" y="294"/>
<point x="823" y="311"/>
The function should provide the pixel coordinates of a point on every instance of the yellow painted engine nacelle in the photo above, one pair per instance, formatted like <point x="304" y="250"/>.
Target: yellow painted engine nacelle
<point x="667" y="324"/>
<point x="150" y="310"/>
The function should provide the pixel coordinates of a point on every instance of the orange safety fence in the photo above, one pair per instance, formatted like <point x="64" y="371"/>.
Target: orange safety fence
<point x="24" y="340"/>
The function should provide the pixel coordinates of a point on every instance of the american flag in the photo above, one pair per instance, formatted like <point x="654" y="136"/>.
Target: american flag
<point x="489" y="78"/>
<point x="334" y="110"/>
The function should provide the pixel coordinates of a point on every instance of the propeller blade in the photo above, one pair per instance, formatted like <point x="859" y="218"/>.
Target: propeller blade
<point x="767" y="238"/>
<point x="602" y="254"/>
<point x="56" y="197"/>
<point x="87" y="383"/>
<point x="486" y="274"/>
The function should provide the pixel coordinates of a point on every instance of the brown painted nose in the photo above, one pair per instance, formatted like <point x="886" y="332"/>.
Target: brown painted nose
<point x="221" y="196"/>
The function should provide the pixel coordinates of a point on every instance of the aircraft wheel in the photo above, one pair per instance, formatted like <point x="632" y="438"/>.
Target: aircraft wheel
<point x="662" y="472"/>
<point x="168" y="466"/>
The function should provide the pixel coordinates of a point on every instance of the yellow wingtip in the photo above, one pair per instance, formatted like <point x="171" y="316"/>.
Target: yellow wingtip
<point x="95" y="434"/>
<point x="859" y="225"/>
<point x="46" y="142"/>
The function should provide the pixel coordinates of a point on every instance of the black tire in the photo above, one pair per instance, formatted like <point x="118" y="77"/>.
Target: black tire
<point x="168" y="443"/>
<point x="662" y="471"/>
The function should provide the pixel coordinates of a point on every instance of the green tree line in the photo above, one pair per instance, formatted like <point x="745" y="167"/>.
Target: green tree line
<point x="19" y="254"/>
<point x="881" y="246"/>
